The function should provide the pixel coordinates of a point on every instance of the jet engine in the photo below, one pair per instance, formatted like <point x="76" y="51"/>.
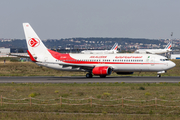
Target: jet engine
<point x="102" y="70"/>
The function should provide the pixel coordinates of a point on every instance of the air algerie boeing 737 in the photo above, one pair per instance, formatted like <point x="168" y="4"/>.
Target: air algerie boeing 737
<point x="112" y="51"/>
<point x="94" y="64"/>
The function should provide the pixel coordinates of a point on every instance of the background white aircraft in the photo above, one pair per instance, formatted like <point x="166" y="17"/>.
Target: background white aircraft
<point x="155" y="51"/>
<point x="94" y="64"/>
<point x="112" y="51"/>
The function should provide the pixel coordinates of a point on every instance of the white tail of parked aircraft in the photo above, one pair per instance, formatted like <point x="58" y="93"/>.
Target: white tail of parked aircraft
<point x="115" y="46"/>
<point x="95" y="64"/>
<point x="111" y="51"/>
<point x="155" y="51"/>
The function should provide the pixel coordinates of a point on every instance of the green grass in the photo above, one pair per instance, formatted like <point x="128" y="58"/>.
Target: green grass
<point x="104" y="91"/>
<point x="57" y="116"/>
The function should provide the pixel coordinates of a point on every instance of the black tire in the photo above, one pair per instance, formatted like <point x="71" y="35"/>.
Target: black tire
<point x="159" y="76"/>
<point x="102" y="76"/>
<point x="88" y="75"/>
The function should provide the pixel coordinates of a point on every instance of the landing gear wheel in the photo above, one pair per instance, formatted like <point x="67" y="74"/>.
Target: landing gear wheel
<point x="159" y="76"/>
<point x="102" y="76"/>
<point x="88" y="75"/>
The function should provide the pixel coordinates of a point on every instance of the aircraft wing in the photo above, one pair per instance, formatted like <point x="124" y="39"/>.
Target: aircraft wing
<point x="70" y="66"/>
<point x="78" y="67"/>
<point x="150" y="52"/>
<point x="19" y="55"/>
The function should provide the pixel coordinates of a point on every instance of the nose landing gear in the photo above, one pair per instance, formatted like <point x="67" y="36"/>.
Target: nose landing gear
<point x="158" y="75"/>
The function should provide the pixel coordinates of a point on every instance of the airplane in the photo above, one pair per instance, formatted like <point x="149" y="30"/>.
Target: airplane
<point x="155" y="51"/>
<point x="112" y="51"/>
<point x="94" y="64"/>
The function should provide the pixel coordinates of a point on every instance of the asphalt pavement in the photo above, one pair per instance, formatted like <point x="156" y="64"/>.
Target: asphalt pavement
<point x="82" y="79"/>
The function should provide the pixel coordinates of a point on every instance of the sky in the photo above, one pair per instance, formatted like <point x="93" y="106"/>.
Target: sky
<point x="56" y="19"/>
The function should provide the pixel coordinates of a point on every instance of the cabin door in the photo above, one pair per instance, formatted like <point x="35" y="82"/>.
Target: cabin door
<point x="152" y="60"/>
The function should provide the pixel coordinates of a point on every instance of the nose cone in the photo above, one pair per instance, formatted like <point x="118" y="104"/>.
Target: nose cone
<point x="171" y="64"/>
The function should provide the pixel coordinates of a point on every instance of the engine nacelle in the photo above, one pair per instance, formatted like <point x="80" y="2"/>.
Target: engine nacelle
<point x="124" y="73"/>
<point x="102" y="70"/>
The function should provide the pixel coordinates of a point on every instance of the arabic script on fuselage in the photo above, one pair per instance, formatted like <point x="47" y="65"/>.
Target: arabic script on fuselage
<point x="98" y="56"/>
<point x="128" y="57"/>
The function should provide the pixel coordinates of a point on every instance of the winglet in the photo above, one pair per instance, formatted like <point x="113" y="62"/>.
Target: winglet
<point x="31" y="57"/>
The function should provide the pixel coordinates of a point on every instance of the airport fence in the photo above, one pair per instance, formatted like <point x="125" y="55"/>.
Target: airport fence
<point x="91" y="101"/>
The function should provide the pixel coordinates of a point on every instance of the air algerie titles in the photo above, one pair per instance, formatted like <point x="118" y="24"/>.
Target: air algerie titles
<point x="98" y="56"/>
<point x="128" y="57"/>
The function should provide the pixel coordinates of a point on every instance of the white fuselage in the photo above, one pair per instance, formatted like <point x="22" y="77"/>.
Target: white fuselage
<point x="152" y="51"/>
<point x="119" y="62"/>
<point x="99" y="51"/>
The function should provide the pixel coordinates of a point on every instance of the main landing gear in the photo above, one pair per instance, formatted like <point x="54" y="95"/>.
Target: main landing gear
<point x="158" y="75"/>
<point x="89" y="75"/>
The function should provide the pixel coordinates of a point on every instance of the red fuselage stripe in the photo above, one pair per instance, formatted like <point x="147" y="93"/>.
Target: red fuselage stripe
<point x="66" y="58"/>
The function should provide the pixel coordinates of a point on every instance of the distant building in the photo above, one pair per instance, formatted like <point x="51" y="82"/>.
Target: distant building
<point x="175" y="56"/>
<point x="4" y="52"/>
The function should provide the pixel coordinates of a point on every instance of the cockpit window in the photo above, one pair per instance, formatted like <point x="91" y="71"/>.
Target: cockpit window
<point x="164" y="59"/>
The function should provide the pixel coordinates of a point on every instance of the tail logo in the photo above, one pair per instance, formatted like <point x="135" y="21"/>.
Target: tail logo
<point x="34" y="42"/>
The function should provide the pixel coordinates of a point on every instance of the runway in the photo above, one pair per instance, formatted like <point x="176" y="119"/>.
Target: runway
<point x="82" y="79"/>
